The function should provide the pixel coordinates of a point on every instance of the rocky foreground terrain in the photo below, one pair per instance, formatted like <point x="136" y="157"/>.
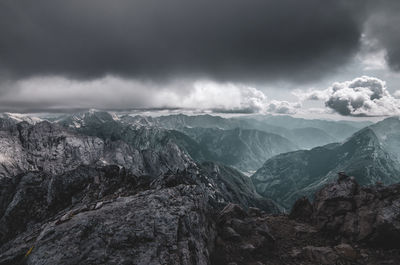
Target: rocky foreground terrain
<point x="108" y="216"/>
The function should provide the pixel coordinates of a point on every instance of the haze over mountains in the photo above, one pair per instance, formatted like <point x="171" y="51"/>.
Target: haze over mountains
<point x="370" y="155"/>
<point x="244" y="143"/>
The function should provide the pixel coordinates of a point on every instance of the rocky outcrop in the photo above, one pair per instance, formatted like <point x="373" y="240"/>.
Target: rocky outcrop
<point x="162" y="226"/>
<point x="368" y="215"/>
<point x="302" y="210"/>
<point x="243" y="237"/>
<point x="33" y="197"/>
<point x="119" y="218"/>
<point x="106" y="215"/>
<point x="53" y="149"/>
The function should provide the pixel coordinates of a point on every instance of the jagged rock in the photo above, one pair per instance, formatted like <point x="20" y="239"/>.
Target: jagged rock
<point x="255" y="212"/>
<point x="50" y="209"/>
<point x="340" y="254"/>
<point x="320" y="255"/>
<point x="364" y="214"/>
<point x="228" y="233"/>
<point x="232" y="211"/>
<point x="347" y="251"/>
<point x="302" y="210"/>
<point x="51" y="148"/>
<point x="167" y="226"/>
<point x="243" y="239"/>
<point x="35" y="196"/>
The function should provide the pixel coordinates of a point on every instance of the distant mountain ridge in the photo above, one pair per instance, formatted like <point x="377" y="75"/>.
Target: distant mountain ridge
<point x="370" y="155"/>
<point x="244" y="149"/>
<point x="304" y="133"/>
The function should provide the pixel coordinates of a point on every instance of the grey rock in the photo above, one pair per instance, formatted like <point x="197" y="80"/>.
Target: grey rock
<point x="242" y="238"/>
<point x="302" y="210"/>
<point x="167" y="226"/>
<point x="364" y="214"/>
<point x="320" y="255"/>
<point x="51" y="148"/>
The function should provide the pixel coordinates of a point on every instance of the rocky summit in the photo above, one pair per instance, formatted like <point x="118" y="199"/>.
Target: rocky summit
<point x="106" y="215"/>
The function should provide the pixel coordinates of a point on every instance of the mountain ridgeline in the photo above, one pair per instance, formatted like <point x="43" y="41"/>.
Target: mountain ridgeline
<point x="244" y="149"/>
<point x="371" y="155"/>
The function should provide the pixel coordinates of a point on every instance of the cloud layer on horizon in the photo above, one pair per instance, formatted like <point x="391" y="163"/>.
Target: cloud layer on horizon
<point x="112" y="92"/>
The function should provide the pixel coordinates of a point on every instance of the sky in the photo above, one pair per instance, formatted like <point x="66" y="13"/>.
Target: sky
<point x="311" y="58"/>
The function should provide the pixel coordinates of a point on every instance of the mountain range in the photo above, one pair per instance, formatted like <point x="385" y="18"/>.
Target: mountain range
<point x="305" y="134"/>
<point x="371" y="155"/>
<point x="89" y="188"/>
<point x="244" y="149"/>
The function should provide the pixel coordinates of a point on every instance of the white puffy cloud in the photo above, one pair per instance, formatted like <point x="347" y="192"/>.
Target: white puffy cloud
<point x="283" y="107"/>
<point x="223" y="97"/>
<point x="362" y="96"/>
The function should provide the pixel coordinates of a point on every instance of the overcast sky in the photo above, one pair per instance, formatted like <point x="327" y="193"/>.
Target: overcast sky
<point x="309" y="57"/>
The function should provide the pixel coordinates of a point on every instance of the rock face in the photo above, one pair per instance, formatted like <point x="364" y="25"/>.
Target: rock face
<point x="243" y="238"/>
<point x="107" y="215"/>
<point x="51" y="148"/>
<point x="302" y="210"/>
<point x="368" y="215"/>
<point x="167" y="226"/>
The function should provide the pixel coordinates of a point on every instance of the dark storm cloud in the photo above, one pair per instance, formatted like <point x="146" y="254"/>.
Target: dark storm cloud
<point x="384" y="25"/>
<point x="221" y="39"/>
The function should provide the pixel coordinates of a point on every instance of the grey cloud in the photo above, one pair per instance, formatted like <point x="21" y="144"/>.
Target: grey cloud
<point x="283" y="107"/>
<point x="363" y="96"/>
<point x="383" y="26"/>
<point x="149" y="39"/>
<point x="112" y="92"/>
